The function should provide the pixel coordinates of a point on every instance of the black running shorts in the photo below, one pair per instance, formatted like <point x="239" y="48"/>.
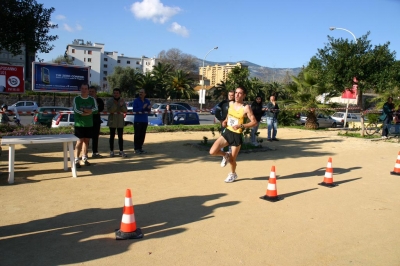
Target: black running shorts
<point x="233" y="139"/>
<point x="83" y="132"/>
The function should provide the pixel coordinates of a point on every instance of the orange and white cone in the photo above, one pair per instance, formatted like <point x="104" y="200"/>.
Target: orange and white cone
<point x="272" y="192"/>
<point x="128" y="229"/>
<point x="396" y="170"/>
<point x="328" y="179"/>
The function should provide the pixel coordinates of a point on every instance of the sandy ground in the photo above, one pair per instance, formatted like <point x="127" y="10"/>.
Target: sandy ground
<point x="191" y="217"/>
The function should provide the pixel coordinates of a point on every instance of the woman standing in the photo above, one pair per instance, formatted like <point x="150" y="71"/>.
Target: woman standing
<point x="258" y="112"/>
<point x="116" y="107"/>
<point x="167" y="116"/>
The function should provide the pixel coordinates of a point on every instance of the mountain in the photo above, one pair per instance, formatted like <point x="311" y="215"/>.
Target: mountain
<point x="263" y="73"/>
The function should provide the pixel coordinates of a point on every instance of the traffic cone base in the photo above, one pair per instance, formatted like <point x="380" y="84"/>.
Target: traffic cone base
<point x="327" y="184"/>
<point x="396" y="170"/>
<point x="271" y="199"/>
<point x="120" y="235"/>
<point x="394" y="173"/>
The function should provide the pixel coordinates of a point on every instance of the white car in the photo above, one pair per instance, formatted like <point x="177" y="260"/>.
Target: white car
<point x="351" y="117"/>
<point x="67" y="120"/>
<point x="25" y="106"/>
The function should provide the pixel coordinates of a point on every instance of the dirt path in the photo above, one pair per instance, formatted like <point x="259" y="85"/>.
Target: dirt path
<point x="191" y="217"/>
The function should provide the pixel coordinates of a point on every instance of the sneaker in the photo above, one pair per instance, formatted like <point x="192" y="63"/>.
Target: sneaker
<point x="384" y="137"/>
<point x="123" y="154"/>
<point x="111" y="154"/>
<point x="142" y="151"/>
<point x="275" y="139"/>
<point x="269" y="140"/>
<point x="77" y="164"/>
<point x="86" y="162"/>
<point x="231" y="177"/>
<point x="225" y="159"/>
<point x="97" y="155"/>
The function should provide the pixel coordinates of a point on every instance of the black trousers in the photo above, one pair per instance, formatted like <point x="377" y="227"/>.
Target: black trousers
<point x="140" y="134"/>
<point x="120" y="132"/>
<point x="95" y="138"/>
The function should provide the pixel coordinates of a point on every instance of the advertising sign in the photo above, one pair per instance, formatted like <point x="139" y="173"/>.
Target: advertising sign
<point x="12" y="79"/>
<point x="58" y="78"/>
<point x="350" y="93"/>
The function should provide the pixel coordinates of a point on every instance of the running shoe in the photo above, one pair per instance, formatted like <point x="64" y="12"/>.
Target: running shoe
<point x="97" y="155"/>
<point x="111" y="154"/>
<point x="231" y="177"/>
<point x="123" y="154"/>
<point x="142" y="151"/>
<point x="225" y="159"/>
<point x="86" y="162"/>
<point x="77" y="164"/>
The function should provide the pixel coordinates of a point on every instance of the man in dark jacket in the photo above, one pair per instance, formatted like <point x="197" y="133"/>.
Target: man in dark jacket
<point x="387" y="117"/>
<point x="96" y="122"/>
<point x="272" y="110"/>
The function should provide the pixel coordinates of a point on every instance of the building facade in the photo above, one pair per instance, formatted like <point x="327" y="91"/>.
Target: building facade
<point x="102" y="63"/>
<point x="22" y="59"/>
<point x="215" y="74"/>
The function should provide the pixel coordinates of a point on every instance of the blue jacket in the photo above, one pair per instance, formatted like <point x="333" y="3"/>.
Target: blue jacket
<point x="138" y="107"/>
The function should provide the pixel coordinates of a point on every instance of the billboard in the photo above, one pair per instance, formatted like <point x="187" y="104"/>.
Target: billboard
<point x="12" y="79"/>
<point x="58" y="78"/>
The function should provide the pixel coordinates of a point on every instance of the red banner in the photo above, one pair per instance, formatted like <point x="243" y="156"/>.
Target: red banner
<point x="12" y="79"/>
<point x="350" y="93"/>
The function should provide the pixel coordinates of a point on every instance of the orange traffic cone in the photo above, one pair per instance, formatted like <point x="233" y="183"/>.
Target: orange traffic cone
<point x="272" y="192"/>
<point x="128" y="228"/>
<point x="328" y="179"/>
<point x="396" y="170"/>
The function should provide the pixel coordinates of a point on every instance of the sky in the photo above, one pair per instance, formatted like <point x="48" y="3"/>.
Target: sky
<point x="269" y="33"/>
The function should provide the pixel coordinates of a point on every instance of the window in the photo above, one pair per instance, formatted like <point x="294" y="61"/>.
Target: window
<point x="105" y="72"/>
<point x="128" y="62"/>
<point x="73" y="51"/>
<point x="105" y="79"/>
<point x="73" y="58"/>
<point x="137" y="63"/>
<point x="105" y="65"/>
<point x="84" y="59"/>
<point x="29" y="103"/>
<point x="89" y="52"/>
<point x="119" y="61"/>
<point x="105" y="59"/>
<point x="89" y="59"/>
<point x="84" y="51"/>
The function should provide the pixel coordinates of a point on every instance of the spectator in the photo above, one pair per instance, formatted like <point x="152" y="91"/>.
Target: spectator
<point x="167" y="116"/>
<point x="141" y="107"/>
<point x="96" y="122"/>
<point x="84" y="107"/>
<point x="272" y="111"/>
<point x="116" y="107"/>
<point x="397" y="120"/>
<point x="387" y="117"/>
<point x="4" y="117"/>
<point x="258" y="111"/>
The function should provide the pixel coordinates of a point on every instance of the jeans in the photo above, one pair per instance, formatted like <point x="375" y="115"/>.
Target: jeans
<point x="272" y="124"/>
<point x="386" y="126"/>
<point x="253" y="133"/>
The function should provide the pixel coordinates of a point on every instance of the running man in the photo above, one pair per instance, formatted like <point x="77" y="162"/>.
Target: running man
<point x="232" y="134"/>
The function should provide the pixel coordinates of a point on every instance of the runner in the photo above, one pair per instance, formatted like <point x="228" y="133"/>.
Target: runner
<point x="232" y="134"/>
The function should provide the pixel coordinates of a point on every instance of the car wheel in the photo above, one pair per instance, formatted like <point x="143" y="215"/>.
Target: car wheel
<point x="334" y="125"/>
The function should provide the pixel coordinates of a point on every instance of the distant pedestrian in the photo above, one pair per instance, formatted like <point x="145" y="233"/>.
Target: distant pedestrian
<point x="141" y="107"/>
<point x="258" y="111"/>
<point x="5" y="120"/>
<point x="96" y="122"/>
<point x="167" y="116"/>
<point x="116" y="107"/>
<point x="387" y="117"/>
<point x="84" y="107"/>
<point x="272" y="111"/>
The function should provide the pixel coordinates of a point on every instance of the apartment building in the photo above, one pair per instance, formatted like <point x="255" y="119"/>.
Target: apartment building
<point x="215" y="74"/>
<point x="102" y="63"/>
<point x="22" y="59"/>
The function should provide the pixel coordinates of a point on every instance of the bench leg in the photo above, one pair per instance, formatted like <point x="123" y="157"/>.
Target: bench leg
<point x="72" y="159"/>
<point x="11" y="158"/>
<point x="65" y="156"/>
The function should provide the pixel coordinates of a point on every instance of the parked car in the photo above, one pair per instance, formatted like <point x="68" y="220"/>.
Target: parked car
<point x="129" y="119"/>
<point x="68" y="119"/>
<point x="180" y="118"/>
<point x="41" y="118"/>
<point x="322" y="120"/>
<point x="351" y="117"/>
<point x="129" y="106"/>
<point x="212" y="110"/>
<point x="188" y="106"/>
<point x="158" y="108"/>
<point x="25" y="106"/>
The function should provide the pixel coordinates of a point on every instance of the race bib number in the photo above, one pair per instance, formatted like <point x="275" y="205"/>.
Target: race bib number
<point x="232" y="121"/>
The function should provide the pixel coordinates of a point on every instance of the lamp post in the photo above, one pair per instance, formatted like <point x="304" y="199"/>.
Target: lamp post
<point x="202" y="92"/>
<point x="355" y="40"/>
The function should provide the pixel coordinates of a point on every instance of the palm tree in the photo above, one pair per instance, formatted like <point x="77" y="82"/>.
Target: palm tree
<point x="220" y="90"/>
<point x="305" y="89"/>
<point x="162" y="74"/>
<point x="180" y="85"/>
<point x="148" y="82"/>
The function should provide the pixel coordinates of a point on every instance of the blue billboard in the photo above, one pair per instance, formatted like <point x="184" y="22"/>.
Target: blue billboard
<point x="58" y="78"/>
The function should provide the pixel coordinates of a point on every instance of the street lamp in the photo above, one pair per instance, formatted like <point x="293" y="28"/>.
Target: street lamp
<point x="354" y="36"/>
<point x="355" y="40"/>
<point x="202" y="92"/>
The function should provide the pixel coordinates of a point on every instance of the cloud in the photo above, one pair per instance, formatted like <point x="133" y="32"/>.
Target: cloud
<point x="179" y="29"/>
<point x="78" y="27"/>
<point x="60" y="17"/>
<point x="68" y="28"/>
<point x="154" y="10"/>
